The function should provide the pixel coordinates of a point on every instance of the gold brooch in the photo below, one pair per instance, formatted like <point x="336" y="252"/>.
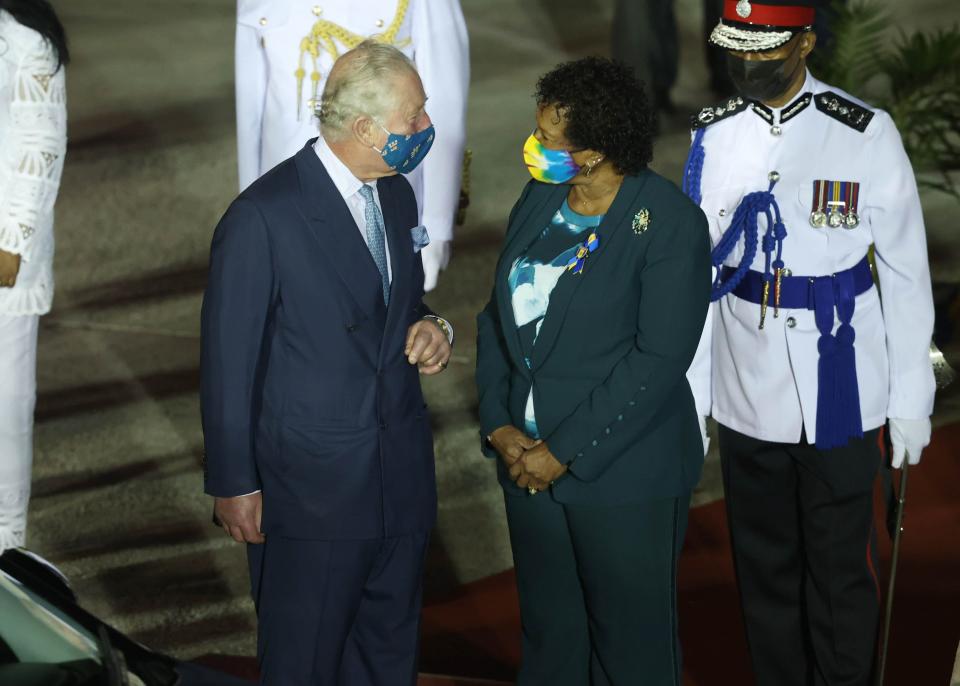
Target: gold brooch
<point x="641" y="221"/>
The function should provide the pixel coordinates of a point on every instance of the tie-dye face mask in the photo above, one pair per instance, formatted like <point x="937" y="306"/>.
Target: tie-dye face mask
<point x="546" y="165"/>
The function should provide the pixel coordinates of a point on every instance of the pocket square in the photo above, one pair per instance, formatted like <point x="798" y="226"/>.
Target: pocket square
<point x="421" y="239"/>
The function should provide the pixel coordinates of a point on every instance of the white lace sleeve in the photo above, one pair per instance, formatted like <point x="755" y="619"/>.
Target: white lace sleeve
<point x="34" y="150"/>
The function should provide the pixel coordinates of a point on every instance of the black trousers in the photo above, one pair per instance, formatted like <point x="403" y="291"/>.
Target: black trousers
<point x="338" y="613"/>
<point x="597" y="590"/>
<point x="801" y="527"/>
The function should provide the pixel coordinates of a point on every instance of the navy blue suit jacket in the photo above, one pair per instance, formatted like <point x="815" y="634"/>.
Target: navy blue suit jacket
<point x="306" y="393"/>
<point x="608" y="368"/>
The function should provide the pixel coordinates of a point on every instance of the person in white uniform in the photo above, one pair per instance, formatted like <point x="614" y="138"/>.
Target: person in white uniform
<point x="33" y="142"/>
<point x="800" y="366"/>
<point x="284" y="52"/>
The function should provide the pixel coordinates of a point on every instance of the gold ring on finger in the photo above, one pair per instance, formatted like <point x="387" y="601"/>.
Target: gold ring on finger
<point x="531" y="490"/>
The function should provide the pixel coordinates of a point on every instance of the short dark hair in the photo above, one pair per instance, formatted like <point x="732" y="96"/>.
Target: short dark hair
<point x="605" y="108"/>
<point x="40" y="16"/>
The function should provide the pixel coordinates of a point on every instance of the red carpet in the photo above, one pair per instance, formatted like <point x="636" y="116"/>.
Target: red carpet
<point x="476" y="634"/>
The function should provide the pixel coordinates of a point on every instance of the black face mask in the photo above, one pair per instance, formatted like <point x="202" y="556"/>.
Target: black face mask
<point x="761" y="80"/>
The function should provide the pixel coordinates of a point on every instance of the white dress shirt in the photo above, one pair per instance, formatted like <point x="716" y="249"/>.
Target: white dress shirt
<point x="348" y="186"/>
<point x="764" y="383"/>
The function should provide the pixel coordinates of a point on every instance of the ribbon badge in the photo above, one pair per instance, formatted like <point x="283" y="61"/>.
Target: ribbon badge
<point x="641" y="221"/>
<point x="583" y="252"/>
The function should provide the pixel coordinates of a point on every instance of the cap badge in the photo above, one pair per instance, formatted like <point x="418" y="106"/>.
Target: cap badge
<point x="744" y="9"/>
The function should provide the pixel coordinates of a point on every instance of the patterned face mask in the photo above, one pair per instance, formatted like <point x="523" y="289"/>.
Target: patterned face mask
<point x="402" y="152"/>
<point x="548" y="166"/>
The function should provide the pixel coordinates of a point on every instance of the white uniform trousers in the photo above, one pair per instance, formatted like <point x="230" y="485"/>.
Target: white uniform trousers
<point x="18" y="396"/>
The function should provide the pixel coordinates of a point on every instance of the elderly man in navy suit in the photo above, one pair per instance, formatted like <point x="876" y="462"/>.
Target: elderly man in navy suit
<point x="318" y="446"/>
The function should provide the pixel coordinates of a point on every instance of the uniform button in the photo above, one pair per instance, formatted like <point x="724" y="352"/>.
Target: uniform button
<point x="787" y="273"/>
<point x="263" y="21"/>
<point x="791" y="322"/>
<point x="774" y="176"/>
<point x="723" y="213"/>
<point x="776" y="130"/>
<point x="317" y="10"/>
<point x="379" y="23"/>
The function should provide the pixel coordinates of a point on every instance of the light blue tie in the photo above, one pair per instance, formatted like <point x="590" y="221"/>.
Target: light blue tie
<point x="375" y="238"/>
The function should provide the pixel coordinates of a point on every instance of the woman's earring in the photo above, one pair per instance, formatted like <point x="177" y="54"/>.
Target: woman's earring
<point x="590" y="169"/>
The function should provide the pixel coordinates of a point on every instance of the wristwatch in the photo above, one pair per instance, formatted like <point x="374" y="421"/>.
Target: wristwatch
<point x="443" y="324"/>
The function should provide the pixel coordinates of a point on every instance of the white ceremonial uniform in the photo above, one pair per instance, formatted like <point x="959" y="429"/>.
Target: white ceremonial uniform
<point x="764" y="383"/>
<point x="33" y="141"/>
<point x="275" y="118"/>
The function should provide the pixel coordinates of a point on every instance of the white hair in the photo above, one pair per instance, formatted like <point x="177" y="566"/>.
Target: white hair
<point x="361" y="83"/>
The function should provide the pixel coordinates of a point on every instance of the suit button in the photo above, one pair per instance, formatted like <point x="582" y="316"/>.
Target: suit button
<point x="619" y="417"/>
<point x="607" y="431"/>
<point x="787" y="273"/>
<point x="791" y="322"/>
<point x="594" y="444"/>
<point x="263" y="21"/>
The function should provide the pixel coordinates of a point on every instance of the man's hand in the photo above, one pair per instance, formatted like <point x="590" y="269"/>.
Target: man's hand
<point x="909" y="437"/>
<point x="510" y="442"/>
<point x="9" y="269"/>
<point x="427" y="347"/>
<point x="240" y="517"/>
<point x="537" y="467"/>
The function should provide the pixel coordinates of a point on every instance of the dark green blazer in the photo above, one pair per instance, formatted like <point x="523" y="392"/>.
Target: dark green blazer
<point x="610" y="361"/>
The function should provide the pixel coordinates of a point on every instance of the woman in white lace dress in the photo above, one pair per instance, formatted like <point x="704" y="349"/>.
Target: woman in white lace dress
<point x="32" y="145"/>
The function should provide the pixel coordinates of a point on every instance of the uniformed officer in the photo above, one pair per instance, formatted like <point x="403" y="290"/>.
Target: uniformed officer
<point x="798" y="180"/>
<point x="284" y="51"/>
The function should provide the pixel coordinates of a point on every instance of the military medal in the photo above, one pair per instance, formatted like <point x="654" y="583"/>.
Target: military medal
<point x="851" y="219"/>
<point x="818" y="216"/>
<point x="835" y="218"/>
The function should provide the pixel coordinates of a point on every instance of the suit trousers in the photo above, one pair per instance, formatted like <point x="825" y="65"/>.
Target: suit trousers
<point x="801" y="528"/>
<point x="340" y="612"/>
<point x="18" y="396"/>
<point x="597" y="590"/>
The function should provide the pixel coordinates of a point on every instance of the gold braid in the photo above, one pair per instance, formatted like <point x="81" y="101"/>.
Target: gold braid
<point x="324" y="37"/>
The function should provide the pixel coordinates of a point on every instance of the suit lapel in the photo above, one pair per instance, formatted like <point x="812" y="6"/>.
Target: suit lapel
<point x="335" y="228"/>
<point x="567" y="286"/>
<point x="401" y="261"/>
<point x="530" y="222"/>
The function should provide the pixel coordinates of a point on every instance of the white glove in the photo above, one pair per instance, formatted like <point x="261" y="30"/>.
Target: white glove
<point x="909" y="438"/>
<point x="435" y="255"/>
<point x="703" y="434"/>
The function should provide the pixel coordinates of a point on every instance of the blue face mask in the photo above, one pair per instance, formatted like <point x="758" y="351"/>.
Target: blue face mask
<point x="402" y="152"/>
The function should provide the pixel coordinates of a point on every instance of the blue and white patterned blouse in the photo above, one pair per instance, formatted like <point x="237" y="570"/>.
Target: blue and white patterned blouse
<point x="534" y="276"/>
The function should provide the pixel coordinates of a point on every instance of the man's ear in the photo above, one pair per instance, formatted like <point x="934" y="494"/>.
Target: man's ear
<point x="807" y="42"/>
<point x="364" y="131"/>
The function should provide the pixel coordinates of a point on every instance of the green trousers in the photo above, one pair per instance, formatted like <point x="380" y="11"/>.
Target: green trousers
<point x="598" y="589"/>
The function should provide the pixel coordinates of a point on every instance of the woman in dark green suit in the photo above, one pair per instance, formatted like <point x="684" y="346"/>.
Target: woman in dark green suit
<point x="599" y="300"/>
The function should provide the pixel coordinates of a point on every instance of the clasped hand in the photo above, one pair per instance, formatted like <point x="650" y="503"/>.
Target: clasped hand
<point x="427" y="347"/>
<point x="529" y="461"/>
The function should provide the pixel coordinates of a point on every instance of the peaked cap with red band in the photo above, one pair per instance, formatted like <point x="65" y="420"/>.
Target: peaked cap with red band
<point x="758" y="25"/>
